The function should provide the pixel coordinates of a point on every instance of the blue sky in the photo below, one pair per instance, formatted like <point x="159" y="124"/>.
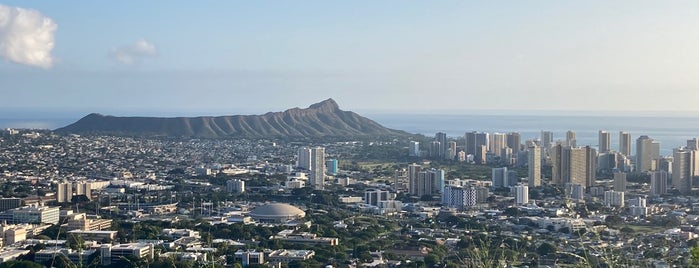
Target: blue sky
<point x="226" y="57"/>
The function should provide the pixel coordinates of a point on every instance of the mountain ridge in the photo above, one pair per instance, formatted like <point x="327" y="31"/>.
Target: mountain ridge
<point x="323" y="119"/>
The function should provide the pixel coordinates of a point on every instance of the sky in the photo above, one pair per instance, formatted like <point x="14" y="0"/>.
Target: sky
<point x="230" y="57"/>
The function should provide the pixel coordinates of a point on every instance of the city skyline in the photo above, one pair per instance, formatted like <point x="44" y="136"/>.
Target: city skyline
<point x="228" y="58"/>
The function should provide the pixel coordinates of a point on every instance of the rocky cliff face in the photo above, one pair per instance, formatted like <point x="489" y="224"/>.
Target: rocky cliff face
<point x="324" y="119"/>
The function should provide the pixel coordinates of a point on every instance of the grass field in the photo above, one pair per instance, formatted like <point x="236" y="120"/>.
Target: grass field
<point x="645" y="229"/>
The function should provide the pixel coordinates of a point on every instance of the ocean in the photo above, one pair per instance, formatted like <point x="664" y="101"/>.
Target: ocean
<point x="670" y="130"/>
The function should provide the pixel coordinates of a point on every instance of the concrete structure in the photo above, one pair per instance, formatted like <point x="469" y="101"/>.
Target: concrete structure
<point x="459" y="197"/>
<point x="575" y="191"/>
<point x="13" y="233"/>
<point x="414" y="149"/>
<point x="430" y="182"/>
<point x="647" y="151"/>
<point x="441" y="149"/>
<point x="306" y="238"/>
<point x="303" y="158"/>
<point x="100" y="236"/>
<point x="331" y="166"/>
<point x="693" y="144"/>
<point x="497" y="142"/>
<point x="571" y="139"/>
<point x="625" y="143"/>
<point x="574" y="165"/>
<point x="413" y="173"/>
<point x="12" y="254"/>
<point x="683" y="167"/>
<point x="83" y="188"/>
<point x="80" y="221"/>
<point x="521" y="194"/>
<point x="249" y="257"/>
<point x="605" y="141"/>
<point x="64" y="192"/>
<point x="514" y="141"/>
<point x="374" y="196"/>
<point x="450" y="154"/>
<point x="235" y="186"/>
<point x="534" y="165"/>
<point x="481" y="156"/>
<point x="434" y="150"/>
<point x="400" y="180"/>
<point x="658" y="183"/>
<point x="546" y="140"/>
<point x="35" y="214"/>
<point x="474" y="141"/>
<point x="317" y="170"/>
<point x="499" y="177"/>
<point x="276" y="213"/>
<point x="10" y="203"/>
<point x="79" y="258"/>
<point x="620" y="182"/>
<point x="614" y="199"/>
<point x="114" y="253"/>
<point x="287" y="256"/>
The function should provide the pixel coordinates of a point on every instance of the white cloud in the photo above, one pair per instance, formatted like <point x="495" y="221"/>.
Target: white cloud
<point x="135" y="52"/>
<point x="26" y="36"/>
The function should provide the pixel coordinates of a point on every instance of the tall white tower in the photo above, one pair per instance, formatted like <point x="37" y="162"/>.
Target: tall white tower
<point x="317" y="178"/>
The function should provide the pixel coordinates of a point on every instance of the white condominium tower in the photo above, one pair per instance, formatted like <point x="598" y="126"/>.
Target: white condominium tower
<point x="317" y="178"/>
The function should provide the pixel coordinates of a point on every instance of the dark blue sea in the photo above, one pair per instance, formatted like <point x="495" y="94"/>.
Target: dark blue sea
<point x="671" y="130"/>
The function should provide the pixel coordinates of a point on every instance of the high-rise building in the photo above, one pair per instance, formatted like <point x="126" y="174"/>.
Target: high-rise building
<point x="430" y="182"/>
<point x="83" y="188"/>
<point x="497" y="142"/>
<point x="506" y="156"/>
<point x="434" y="150"/>
<point x="658" y="183"/>
<point x="460" y="197"/>
<point x="647" y="151"/>
<point x="573" y="165"/>
<point x="481" y="154"/>
<point x="522" y="194"/>
<point x="693" y="144"/>
<point x="683" y="169"/>
<point x="605" y="140"/>
<point x="400" y="180"/>
<point x="461" y="156"/>
<point x="514" y="141"/>
<point x="317" y="171"/>
<point x="625" y="143"/>
<point x="546" y="140"/>
<point x="375" y="196"/>
<point x="499" y="177"/>
<point x="441" y="137"/>
<point x="534" y="168"/>
<point x="331" y="166"/>
<point x="413" y="173"/>
<point x="473" y="142"/>
<point x="575" y="191"/>
<point x="64" y="192"/>
<point x="571" y="140"/>
<point x="235" y="186"/>
<point x="614" y="199"/>
<point x="664" y="163"/>
<point x="303" y="158"/>
<point x="414" y="148"/>
<point x="440" y="176"/>
<point x="450" y="154"/>
<point x="620" y="182"/>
